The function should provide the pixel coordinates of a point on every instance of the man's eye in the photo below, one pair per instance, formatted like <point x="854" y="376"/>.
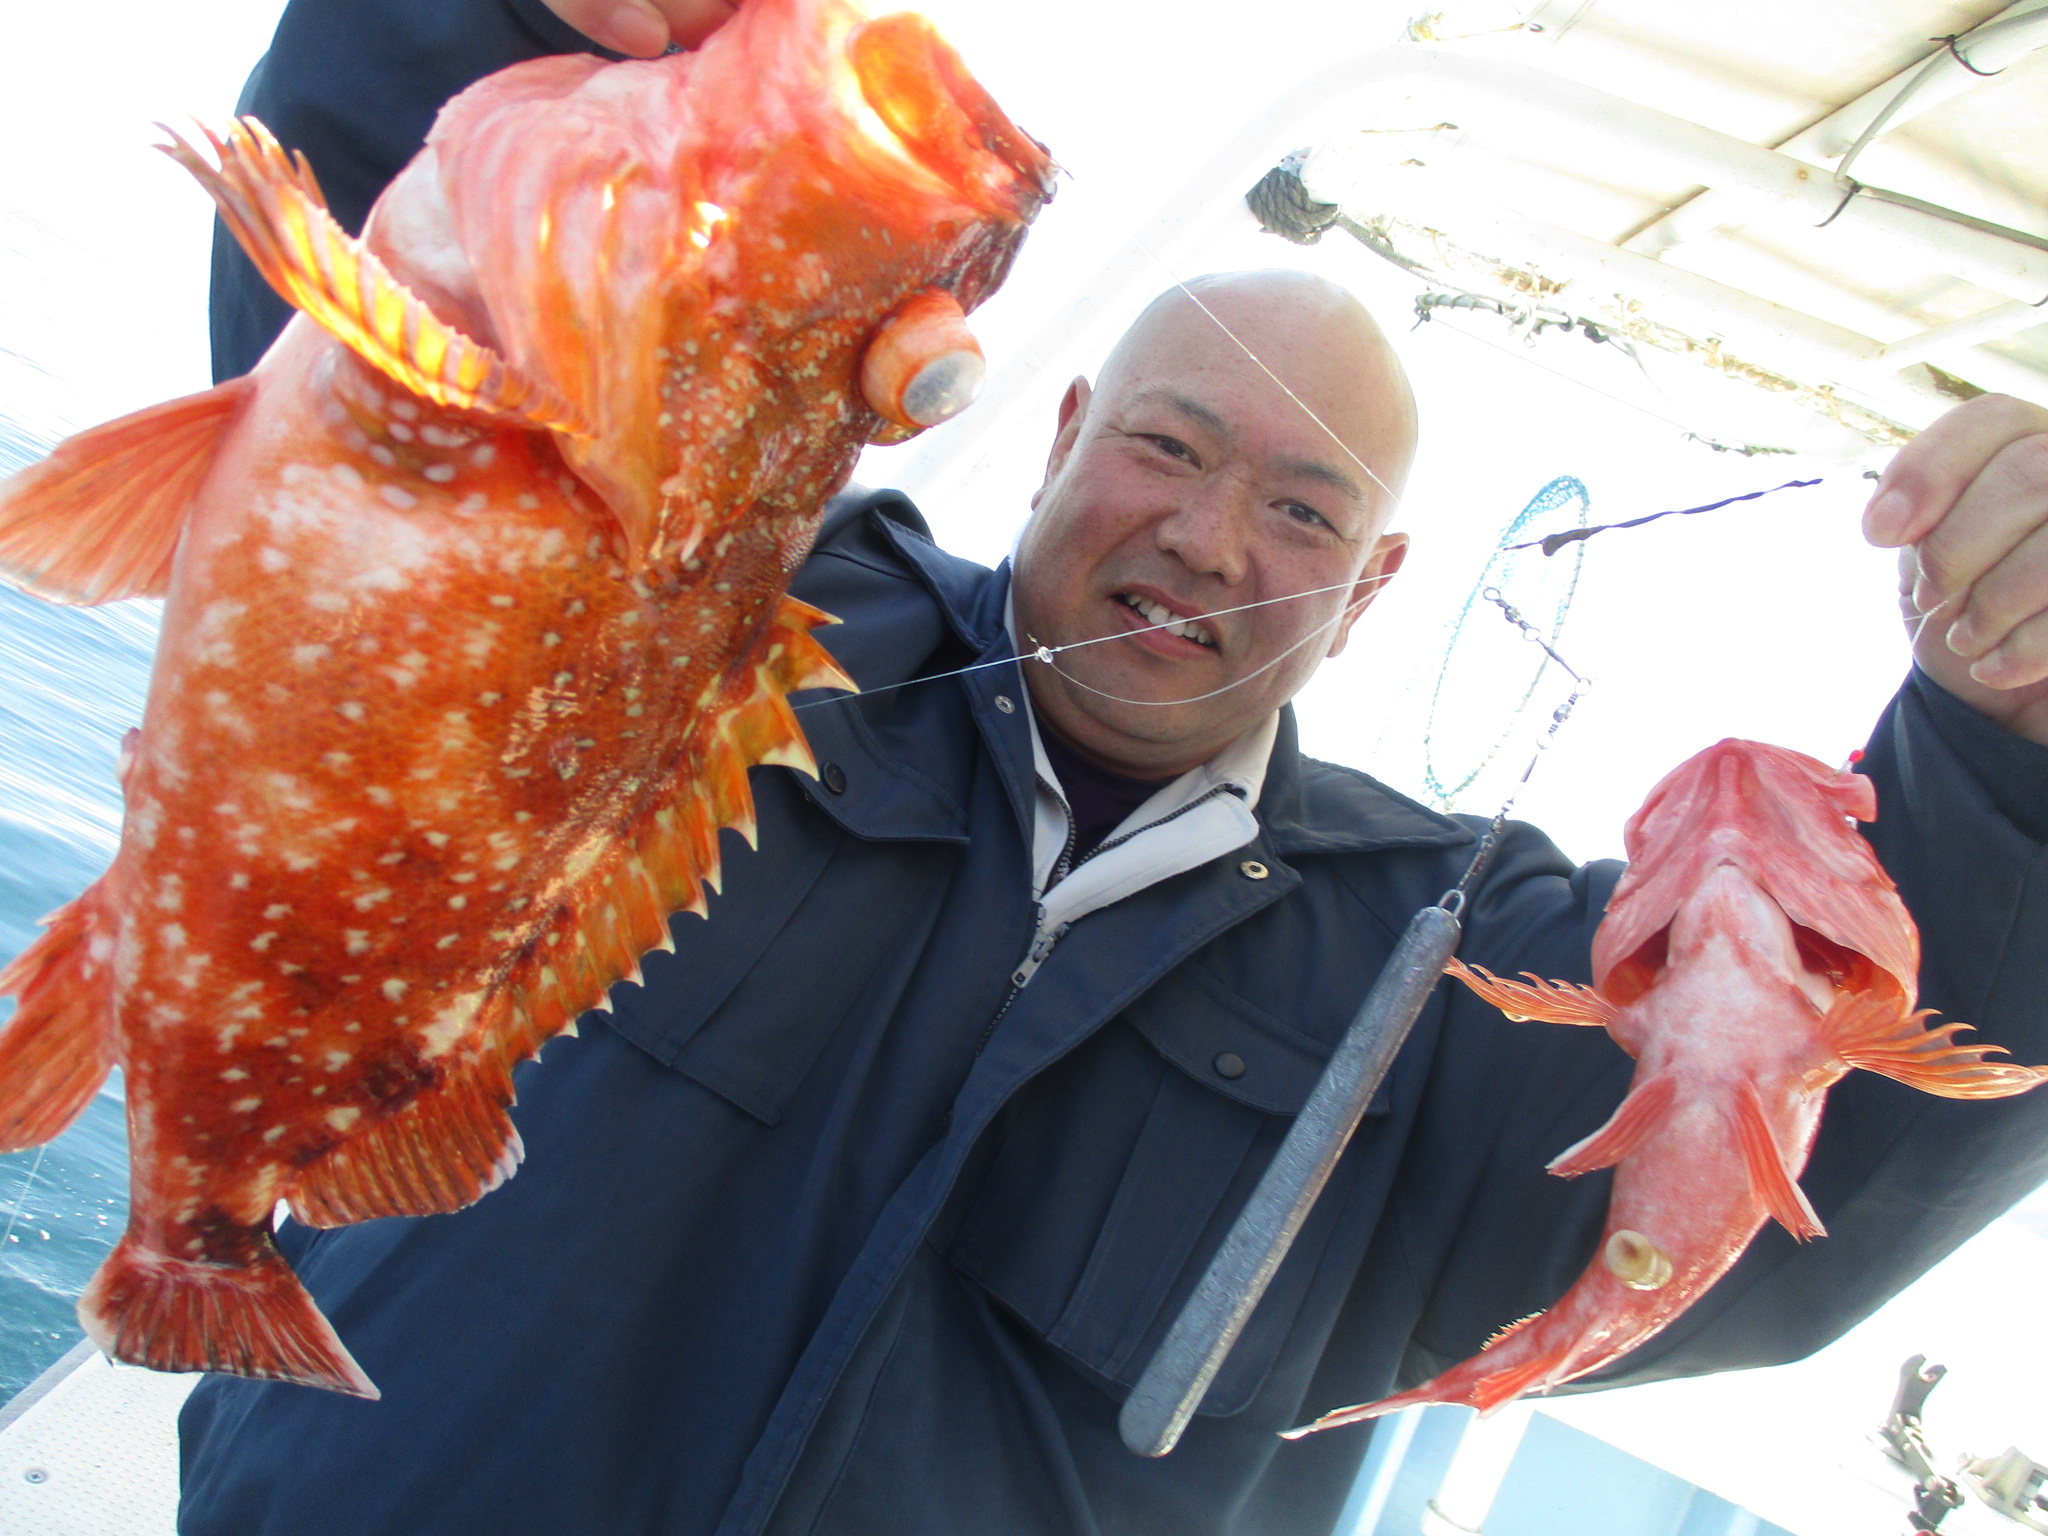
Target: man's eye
<point x="1301" y="512"/>
<point x="1172" y="447"/>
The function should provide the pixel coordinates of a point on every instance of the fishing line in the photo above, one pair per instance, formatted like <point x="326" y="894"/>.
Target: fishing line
<point x="1552" y="543"/>
<point x="1045" y="653"/>
<point x="1269" y="373"/>
<point x="22" y="1199"/>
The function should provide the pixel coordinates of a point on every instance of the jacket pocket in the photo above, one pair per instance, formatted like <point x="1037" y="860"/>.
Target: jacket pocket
<point x="1113" y="1177"/>
<point x="711" y="1009"/>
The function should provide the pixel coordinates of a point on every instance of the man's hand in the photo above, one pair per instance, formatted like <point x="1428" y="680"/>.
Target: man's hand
<point x="1966" y="505"/>
<point x="644" y="28"/>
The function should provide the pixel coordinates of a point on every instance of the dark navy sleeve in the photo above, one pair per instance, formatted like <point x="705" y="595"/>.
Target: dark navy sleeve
<point x="1901" y="1177"/>
<point x="354" y="85"/>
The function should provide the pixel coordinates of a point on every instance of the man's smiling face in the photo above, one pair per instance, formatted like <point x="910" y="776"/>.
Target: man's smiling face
<point x="1190" y="482"/>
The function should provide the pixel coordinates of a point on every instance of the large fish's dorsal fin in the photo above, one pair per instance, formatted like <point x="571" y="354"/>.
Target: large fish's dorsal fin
<point x="1769" y="1178"/>
<point x="99" y="519"/>
<point x="273" y="207"/>
<point x="1871" y="1031"/>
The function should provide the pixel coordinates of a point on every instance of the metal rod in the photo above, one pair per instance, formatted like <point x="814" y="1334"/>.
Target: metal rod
<point x="1195" y="1348"/>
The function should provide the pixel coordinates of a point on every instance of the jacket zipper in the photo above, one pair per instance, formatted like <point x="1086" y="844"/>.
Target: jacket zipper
<point x="1042" y="940"/>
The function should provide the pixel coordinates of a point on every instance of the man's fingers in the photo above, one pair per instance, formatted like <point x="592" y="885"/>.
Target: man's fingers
<point x="1991" y="630"/>
<point x="2002" y="507"/>
<point x="1930" y="473"/>
<point x="644" y="28"/>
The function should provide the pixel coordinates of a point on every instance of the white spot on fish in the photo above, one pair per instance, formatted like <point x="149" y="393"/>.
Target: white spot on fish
<point x="388" y="460"/>
<point x="246" y="1106"/>
<point x="238" y="881"/>
<point x="457" y="903"/>
<point x="358" y="939"/>
<point x="379" y="795"/>
<point x="394" y="988"/>
<point x="440" y="474"/>
<point x="399" y="430"/>
<point x="446" y="939"/>
<point x="475" y="501"/>
<point x="309" y="655"/>
<point x="438" y="839"/>
<point x="336" y="1060"/>
<point x="234" y="1075"/>
<point x="351" y="711"/>
<point x="488" y="699"/>
<point x="500" y="600"/>
<point x="271" y="558"/>
<point x="172" y="935"/>
<point x="273" y="1133"/>
<point x="483" y="456"/>
<point x="370" y="899"/>
<point x="262" y="941"/>
<point x="276" y="910"/>
<point x="347" y="476"/>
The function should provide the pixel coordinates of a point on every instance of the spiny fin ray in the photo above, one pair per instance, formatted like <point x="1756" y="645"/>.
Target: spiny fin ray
<point x="1551" y="1002"/>
<point x="272" y="206"/>
<point x="1768" y="1175"/>
<point x="1640" y="1114"/>
<point x="1871" y="1031"/>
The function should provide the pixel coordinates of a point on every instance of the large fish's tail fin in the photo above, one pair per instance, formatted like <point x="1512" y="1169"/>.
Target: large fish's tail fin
<point x="99" y="519"/>
<point x="179" y="1315"/>
<point x="1872" y="1031"/>
<point x="57" y="1049"/>
<point x="1553" y="1002"/>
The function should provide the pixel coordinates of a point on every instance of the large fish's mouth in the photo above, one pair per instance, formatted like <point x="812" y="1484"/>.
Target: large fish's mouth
<point x="918" y="86"/>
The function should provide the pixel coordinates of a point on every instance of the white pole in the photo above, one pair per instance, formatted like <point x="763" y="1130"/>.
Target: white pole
<point x="1473" y="1479"/>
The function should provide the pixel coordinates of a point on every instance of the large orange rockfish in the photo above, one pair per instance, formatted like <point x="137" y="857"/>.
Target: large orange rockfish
<point x="476" y="619"/>
<point x="1753" y="952"/>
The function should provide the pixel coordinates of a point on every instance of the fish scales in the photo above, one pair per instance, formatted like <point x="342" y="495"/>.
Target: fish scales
<point x="476" y="619"/>
<point x="1753" y="953"/>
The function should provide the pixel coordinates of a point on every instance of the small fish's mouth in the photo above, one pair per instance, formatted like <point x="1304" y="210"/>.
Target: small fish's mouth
<point x="1166" y="620"/>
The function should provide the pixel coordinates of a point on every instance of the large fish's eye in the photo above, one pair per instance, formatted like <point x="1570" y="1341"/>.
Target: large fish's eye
<point x="917" y="84"/>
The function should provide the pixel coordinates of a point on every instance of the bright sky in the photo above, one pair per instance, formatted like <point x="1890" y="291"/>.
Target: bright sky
<point x="1771" y="620"/>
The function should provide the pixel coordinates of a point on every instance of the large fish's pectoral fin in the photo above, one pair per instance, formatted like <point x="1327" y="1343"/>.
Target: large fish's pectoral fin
<point x="448" y="1148"/>
<point x="252" y="1319"/>
<point x="1768" y="1176"/>
<point x="273" y="207"/>
<point x="1551" y="1002"/>
<point x="1870" y="1030"/>
<point x="1640" y="1114"/>
<point x="99" y="519"/>
<point x="58" y="1047"/>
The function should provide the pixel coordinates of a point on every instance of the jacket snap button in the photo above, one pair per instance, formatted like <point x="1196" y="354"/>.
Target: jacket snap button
<point x="834" y="777"/>
<point x="1006" y="704"/>
<point x="1230" y="1064"/>
<point x="1251" y="869"/>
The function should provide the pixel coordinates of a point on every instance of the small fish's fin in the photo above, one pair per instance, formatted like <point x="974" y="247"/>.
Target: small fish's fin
<point x="273" y="207"/>
<point x="57" y="1048"/>
<point x="1492" y="1393"/>
<point x="448" y="1148"/>
<point x="1768" y="1176"/>
<point x="99" y="519"/>
<point x="187" y="1315"/>
<point x="1869" y="1030"/>
<point x="1552" y="1002"/>
<point x="621" y="910"/>
<point x="1466" y="1382"/>
<point x="1640" y="1113"/>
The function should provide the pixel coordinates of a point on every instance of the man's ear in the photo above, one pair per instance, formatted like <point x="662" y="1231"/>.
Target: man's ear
<point x="1387" y="556"/>
<point x="1073" y="411"/>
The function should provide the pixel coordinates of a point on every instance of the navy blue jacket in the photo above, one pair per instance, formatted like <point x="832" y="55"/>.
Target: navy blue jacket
<point x="804" y="1244"/>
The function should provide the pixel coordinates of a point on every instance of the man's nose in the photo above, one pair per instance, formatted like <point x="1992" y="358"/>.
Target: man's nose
<point x="1211" y="530"/>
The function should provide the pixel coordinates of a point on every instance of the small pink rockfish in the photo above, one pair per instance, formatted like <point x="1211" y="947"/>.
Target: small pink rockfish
<point x="1753" y="952"/>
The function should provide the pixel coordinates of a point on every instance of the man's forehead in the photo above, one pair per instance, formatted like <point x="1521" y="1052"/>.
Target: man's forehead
<point x="1303" y="465"/>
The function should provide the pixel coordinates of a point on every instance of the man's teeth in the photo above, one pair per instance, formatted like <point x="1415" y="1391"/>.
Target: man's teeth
<point x="1159" y="614"/>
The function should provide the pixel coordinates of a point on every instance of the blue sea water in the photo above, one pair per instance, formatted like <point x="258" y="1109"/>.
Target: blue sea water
<point x="72" y="681"/>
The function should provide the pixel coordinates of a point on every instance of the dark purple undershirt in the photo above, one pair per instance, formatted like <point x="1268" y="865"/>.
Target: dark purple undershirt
<point x="1098" y="798"/>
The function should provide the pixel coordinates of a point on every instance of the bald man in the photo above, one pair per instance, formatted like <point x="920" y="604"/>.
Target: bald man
<point x="862" y="1216"/>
